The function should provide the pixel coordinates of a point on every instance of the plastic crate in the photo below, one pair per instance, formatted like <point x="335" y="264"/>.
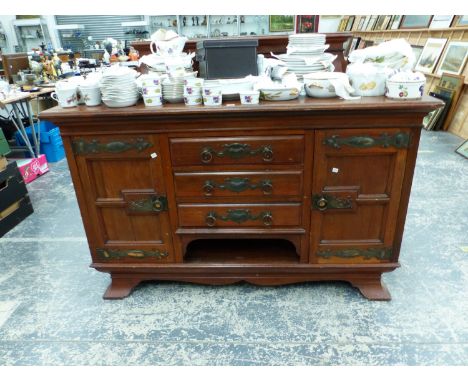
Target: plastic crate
<point x="4" y="147"/>
<point x="51" y="142"/>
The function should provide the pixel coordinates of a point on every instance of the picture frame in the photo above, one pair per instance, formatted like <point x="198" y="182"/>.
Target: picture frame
<point x="362" y="22"/>
<point x="460" y="21"/>
<point x="281" y="23"/>
<point x="356" y="23"/>
<point x="430" y="55"/>
<point x="350" y="23"/>
<point x="447" y="103"/>
<point x="453" y="60"/>
<point x="430" y="120"/>
<point x="415" y="21"/>
<point x="463" y="149"/>
<point x="450" y="85"/>
<point x="395" y="22"/>
<point x="441" y="21"/>
<point x="371" y="24"/>
<point x="417" y="50"/>
<point x="354" y="44"/>
<point x="382" y="22"/>
<point x="343" y="23"/>
<point x="307" y="23"/>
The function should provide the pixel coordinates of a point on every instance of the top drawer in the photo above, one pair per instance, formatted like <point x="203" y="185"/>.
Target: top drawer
<point x="288" y="149"/>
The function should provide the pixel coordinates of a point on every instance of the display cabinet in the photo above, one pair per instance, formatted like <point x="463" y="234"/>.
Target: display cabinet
<point x="163" y="22"/>
<point x="31" y="34"/>
<point x="251" y="25"/>
<point x="224" y="26"/>
<point x="194" y="26"/>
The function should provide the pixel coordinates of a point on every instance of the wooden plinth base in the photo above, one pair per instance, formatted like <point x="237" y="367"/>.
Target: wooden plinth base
<point x="368" y="281"/>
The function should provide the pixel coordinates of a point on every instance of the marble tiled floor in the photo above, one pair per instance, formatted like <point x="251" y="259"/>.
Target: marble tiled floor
<point x="52" y="311"/>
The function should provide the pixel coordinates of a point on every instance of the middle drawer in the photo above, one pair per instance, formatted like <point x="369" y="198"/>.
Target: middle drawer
<point x="237" y="184"/>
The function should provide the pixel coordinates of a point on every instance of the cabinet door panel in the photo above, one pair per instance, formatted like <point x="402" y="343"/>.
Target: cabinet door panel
<point x="126" y="199"/>
<point x="358" y="176"/>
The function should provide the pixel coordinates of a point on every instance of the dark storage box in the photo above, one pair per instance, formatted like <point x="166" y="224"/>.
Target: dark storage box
<point x="15" y="205"/>
<point x="224" y="58"/>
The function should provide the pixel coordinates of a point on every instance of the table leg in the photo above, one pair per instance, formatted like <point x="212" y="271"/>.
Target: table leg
<point x="31" y="122"/>
<point x="20" y="127"/>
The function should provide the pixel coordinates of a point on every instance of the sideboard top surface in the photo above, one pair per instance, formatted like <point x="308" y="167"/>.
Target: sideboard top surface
<point x="301" y="105"/>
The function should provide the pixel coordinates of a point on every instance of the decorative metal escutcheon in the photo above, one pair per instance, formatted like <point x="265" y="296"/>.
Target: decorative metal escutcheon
<point x="324" y="202"/>
<point x="82" y="147"/>
<point x="116" y="254"/>
<point x="238" y="185"/>
<point x="367" y="253"/>
<point x="236" y="151"/>
<point x="150" y="204"/>
<point x="239" y="216"/>
<point x="398" y="140"/>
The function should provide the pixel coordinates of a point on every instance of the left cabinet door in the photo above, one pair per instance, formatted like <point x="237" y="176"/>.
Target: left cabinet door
<point x="125" y="197"/>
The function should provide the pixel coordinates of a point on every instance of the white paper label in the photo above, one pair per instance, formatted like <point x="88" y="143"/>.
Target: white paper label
<point x="154" y="155"/>
<point x="335" y="170"/>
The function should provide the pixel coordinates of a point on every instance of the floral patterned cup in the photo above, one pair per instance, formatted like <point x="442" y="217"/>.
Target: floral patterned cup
<point x="153" y="100"/>
<point x="215" y="90"/>
<point x="190" y="90"/>
<point x="192" y="100"/>
<point x="194" y="82"/>
<point x="250" y="97"/>
<point x="151" y="90"/>
<point x="213" y="100"/>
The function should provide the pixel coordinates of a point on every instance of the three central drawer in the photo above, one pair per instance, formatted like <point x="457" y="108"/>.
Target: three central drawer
<point x="247" y="181"/>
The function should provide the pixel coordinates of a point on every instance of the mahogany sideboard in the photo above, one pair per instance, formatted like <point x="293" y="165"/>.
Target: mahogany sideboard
<point x="275" y="193"/>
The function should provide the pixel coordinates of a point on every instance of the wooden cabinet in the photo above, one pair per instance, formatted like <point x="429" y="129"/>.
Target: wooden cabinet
<point x="272" y="194"/>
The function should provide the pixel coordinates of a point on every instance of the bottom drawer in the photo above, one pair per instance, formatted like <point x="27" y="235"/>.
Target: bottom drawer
<point x="243" y="215"/>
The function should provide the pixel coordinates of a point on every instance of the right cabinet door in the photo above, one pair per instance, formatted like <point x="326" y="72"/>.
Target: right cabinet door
<point x="357" y="181"/>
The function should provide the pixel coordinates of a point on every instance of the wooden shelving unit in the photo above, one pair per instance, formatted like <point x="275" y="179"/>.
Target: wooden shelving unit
<point x="459" y="124"/>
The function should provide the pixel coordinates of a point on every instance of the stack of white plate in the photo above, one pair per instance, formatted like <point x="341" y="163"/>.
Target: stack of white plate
<point x="308" y="43"/>
<point x="306" y="54"/>
<point x="118" y="87"/>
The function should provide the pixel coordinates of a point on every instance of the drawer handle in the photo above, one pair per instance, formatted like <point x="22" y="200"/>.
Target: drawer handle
<point x="149" y="204"/>
<point x="236" y="151"/>
<point x="399" y="141"/>
<point x="239" y="216"/>
<point x="237" y="185"/>
<point x="324" y="202"/>
<point x="206" y="155"/>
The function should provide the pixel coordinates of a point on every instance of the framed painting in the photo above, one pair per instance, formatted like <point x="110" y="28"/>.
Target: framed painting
<point x="454" y="59"/>
<point x="450" y="85"/>
<point x="463" y="149"/>
<point x="415" y="21"/>
<point x="461" y="21"/>
<point x="441" y="21"/>
<point x="307" y="24"/>
<point x="343" y="23"/>
<point x="430" y="55"/>
<point x="381" y="23"/>
<point x="371" y="24"/>
<point x="350" y="23"/>
<point x="362" y="22"/>
<point x="417" y="50"/>
<point x="281" y="23"/>
<point x="395" y="22"/>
